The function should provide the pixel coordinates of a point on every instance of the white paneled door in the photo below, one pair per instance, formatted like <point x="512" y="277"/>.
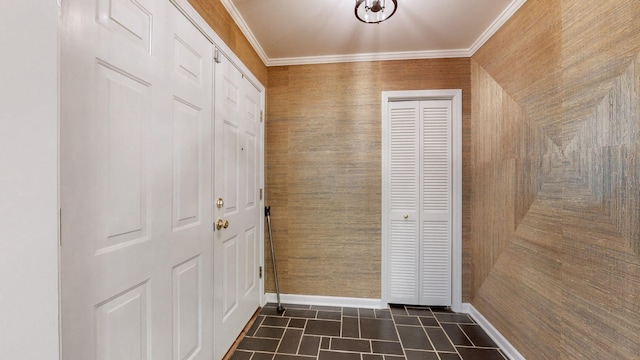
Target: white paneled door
<point x="419" y="197"/>
<point x="135" y="174"/>
<point x="238" y="144"/>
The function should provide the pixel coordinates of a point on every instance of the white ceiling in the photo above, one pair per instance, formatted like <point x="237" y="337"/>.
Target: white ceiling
<point x="291" y="32"/>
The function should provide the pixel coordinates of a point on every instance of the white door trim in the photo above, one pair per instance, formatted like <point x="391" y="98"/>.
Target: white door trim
<point x="455" y="95"/>
<point x="190" y="13"/>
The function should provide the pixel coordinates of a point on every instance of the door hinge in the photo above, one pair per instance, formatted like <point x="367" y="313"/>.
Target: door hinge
<point x="261" y="115"/>
<point x="260" y="272"/>
<point x="216" y="56"/>
<point x="260" y="193"/>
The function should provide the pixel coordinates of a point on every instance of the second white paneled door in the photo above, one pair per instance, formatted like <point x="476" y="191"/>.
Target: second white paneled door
<point x="237" y="255"/>
<point x="418" y="175"/>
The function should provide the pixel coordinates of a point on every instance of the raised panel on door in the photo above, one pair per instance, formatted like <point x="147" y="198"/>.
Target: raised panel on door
<point x="404" y="168"/>
<point x="237" y="170"/>
<point x="187" y="309"/>
<point x="123" y="113"/>
<point x="123" y="326"/>
<point x="435" y="194"/>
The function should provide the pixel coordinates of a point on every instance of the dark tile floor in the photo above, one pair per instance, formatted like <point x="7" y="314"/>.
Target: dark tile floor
<point x="334" y="333"/>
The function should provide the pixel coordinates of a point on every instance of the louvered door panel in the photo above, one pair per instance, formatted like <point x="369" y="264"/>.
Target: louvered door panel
<point x="403" y="278"/>
<point x="435" y="194"/>
<point x="404" y="186"/>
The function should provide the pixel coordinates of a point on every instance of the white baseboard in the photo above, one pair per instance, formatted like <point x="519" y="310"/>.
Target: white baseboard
<point x="493" y="333"/>
<point x="325" y="301"/>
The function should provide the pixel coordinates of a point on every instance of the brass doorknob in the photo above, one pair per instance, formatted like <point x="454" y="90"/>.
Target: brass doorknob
<point x="222" y="224"/>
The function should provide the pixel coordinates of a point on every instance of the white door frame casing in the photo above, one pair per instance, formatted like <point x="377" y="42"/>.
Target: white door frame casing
<point x="455" y="95"/>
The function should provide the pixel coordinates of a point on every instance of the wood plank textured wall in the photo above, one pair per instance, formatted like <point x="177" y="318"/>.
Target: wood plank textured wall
<point x="215" y="14"/>
<point x="555" y="144"/>
<point x="323" y="168"/>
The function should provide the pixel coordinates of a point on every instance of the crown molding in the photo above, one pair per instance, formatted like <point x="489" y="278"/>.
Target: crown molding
<point x="244" y="28"/>
<point x="388" y="56"/>
<point x="407" y="55"/>
<point x="496" y="25"/>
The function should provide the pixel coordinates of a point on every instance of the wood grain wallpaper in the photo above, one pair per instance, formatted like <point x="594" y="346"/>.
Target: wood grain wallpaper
<point x="323" y="168"/>
<point x="555" y="149"/>
<point x="215" y="14"/>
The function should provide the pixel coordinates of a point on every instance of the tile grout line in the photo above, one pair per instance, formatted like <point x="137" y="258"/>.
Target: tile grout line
<point x="447" y="335"/>
<point x="395" y="326"/>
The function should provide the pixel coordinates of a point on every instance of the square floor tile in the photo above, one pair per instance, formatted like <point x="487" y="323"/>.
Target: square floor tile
<point x="439" y="339"/>
<point x="350" y="327"/>
<point x="447" y="356"/>
<point x="419" y="311"/>
<point x="429" y="321"/>
<point x="368" y="313"/>
<point x="421" y="355"/>
<point x="398" y="310"/>
<point x="355" y="345"/>
<point x="290" y="341"/>
<point x="453" y="318"/>
<point x="323" y="327"/>
<point x="310" y="345"/>
<point x="290" y="357"/>
<point x="269" y="332"/>
<point x="456" y="335"/>
<point x="372" y="357"/>
<point x="241" y="355"/>
<point x="258" y="344"/>
<point x="477" y="336"/>
<point x="350" y="312"/>
<point x="301" y="313"/>
<point x="262" y="356"/>
<point x="275" y="321"/>
<point x="383" y="313"/>
<point x="413" y="337"/>
<point x="335" y="355"/>
<point x="297" y="323"/>
<point x="378" y="329"/>
<point x="386" y="347"/>
<point x="329" y="315"/>
<point x="406" y="320"/>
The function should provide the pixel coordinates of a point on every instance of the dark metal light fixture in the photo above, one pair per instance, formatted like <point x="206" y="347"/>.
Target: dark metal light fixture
<point x="375" y="11"/>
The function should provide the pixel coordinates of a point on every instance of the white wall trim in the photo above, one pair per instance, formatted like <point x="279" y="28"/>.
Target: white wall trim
<point x="325" y="301"/>
<point x="455" y="95"/>
<point x="410" y="55"/>
<point x="496" y="25"/>
<point x="509" y="350"/>
<point x="405" y="55"/>
<point x="244" y="28"/>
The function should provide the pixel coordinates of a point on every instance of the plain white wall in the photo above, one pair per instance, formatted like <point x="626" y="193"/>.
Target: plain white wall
<point x="29" y="180"/>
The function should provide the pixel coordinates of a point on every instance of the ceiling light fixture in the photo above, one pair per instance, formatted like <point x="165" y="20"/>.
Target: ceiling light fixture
<point x="375" y="11"/>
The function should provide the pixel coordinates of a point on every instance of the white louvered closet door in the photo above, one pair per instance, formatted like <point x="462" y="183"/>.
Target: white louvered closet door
<point x="420" y="202"/>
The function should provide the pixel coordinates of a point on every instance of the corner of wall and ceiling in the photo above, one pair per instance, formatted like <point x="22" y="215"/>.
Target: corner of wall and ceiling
<point x="406" y="55"/>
